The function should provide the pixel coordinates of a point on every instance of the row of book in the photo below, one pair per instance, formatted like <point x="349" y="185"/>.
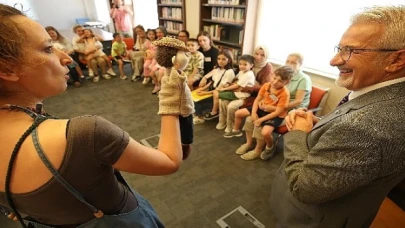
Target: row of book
<point x="224" y="33"/>
<point x="172" y="12"/>
<point x="224" y="2"/>
<point x="173" y="26"/>
<point x="177" y="2"/>
<point x="236" y="53"/>
<point x="234" y="15"/>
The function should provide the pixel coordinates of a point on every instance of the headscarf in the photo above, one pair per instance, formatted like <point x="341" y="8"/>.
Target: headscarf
<point x="259" y="65"/>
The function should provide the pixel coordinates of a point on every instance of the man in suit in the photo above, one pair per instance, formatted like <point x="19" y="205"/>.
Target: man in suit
<point x="337" y="172"/>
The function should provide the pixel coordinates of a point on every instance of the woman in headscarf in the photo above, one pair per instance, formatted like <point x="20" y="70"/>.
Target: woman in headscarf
<point x="262" y="70"/>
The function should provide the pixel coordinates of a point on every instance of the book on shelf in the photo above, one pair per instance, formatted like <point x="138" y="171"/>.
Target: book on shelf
<point x="232" y="15"/>
<point x="197" y="98"/>
<point x="174" y="2"/>
<point x="172" y="12"/>
<point x="236" y="53"/>
<point x="224" y="2"/>
<point x="172" y="26"/>
<point x="225" y="33"/>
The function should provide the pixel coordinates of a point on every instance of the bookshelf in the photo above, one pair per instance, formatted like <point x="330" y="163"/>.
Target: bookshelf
<point x="231" y="24"/>
<point x="172" y="15"/>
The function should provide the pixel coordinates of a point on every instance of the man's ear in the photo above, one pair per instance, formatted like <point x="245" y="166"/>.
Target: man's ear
<point x="11" y="77"/>
<point x="396" y="61"/>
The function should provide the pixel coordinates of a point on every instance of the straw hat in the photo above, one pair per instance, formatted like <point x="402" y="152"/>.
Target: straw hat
<point x="170" y="42"/>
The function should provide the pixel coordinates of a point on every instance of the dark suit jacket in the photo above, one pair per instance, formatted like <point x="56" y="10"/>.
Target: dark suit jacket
<point x="338" y="174"/>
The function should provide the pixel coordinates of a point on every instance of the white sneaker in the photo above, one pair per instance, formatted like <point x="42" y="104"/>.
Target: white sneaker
<point x="123" y="77"/>
<point x="106" y="76"/>
<point x="111" y="72"/>
<point x="251" y="155"/>
<point x="221" y="126"/>
<point x="197" y="120"/>
<point x="243" y="149"/>
<point x="96" y="79"/>
<point x="91" y="73"/>
<point x="145" y="80"/>
<point x="227" y="130"/>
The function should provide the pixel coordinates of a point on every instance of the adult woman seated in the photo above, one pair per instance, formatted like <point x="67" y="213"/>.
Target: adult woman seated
<point x="262" y="70"/>
<point x="75" y="160"/>
<point x="138" y="54"/>
<point x="80" y="48"/>
<point x="64" y="45"/>
<point x="300" y="88"/>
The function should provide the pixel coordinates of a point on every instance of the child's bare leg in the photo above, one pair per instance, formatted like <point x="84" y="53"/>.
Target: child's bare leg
<point x="239" y="115"/>
<point x="267" y="134"/>
<point x="121" y="66"/>
<point x="88" y="61"/>
<point x="109" y="64"/>
<point x="215" y="98"/>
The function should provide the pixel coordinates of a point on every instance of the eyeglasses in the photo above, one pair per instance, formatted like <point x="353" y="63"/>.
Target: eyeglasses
<point x="346" y="52"/>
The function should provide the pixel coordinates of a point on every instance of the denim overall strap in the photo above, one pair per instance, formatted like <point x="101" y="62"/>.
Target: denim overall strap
<point x="37" y="120"/>
<point x="97" y="213"/>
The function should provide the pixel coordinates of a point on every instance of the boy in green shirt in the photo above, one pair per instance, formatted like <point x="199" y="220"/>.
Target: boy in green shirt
<point x="119" y="53"/>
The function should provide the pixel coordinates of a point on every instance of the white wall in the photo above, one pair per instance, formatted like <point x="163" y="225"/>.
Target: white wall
<point x="193" y="17"/>
<point x="60" y="14"/>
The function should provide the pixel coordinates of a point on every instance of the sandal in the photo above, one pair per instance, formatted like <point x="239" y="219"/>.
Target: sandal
<point x="210" y="116"/>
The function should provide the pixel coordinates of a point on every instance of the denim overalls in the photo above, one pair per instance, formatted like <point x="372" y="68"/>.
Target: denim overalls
<point x="143" y="216"/>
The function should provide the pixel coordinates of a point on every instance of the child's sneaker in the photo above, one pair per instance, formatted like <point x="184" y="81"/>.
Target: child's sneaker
<point x="81" y="76"/>
<point x="267" y="153"/>
<point x="243" y="149"/>
<point x="156" y="90"/>
<point x="251" y="155"/>
<point x="91" y="73"/>
<point x="96" y="78"/>
<point x="123" y="77"/>
<point x="197" y="120"/>
<point x="210" y="116"/>
<point x="220" y="126"/>
<point x="145" y="80"/>
<point x="135" y="78"/>
<point x="233" y="133"/>
<point x="111" y="72"/>
<point x="106" y="76"/>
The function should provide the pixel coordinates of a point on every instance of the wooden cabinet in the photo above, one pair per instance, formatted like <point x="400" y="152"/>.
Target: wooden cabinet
<point x="172" y="15"/>
<point x="231" y="24"/>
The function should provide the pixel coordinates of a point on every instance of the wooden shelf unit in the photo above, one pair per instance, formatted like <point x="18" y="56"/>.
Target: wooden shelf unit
<point x="172" y="15"/>
<point x="231" y="23"/>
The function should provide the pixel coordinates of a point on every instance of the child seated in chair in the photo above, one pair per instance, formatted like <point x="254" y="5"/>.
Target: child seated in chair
<point x="119" y="53"/>
<point x="195" y="67"/>
<point x="274" y="93"/>
<point x="231" y="92"/>
<point x="94" y="50"/>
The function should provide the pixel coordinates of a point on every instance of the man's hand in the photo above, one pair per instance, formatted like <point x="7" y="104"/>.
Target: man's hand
<point x="300" y="120"/>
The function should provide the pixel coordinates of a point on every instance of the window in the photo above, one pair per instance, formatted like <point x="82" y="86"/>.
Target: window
<point x="311" y="27"/>
<point x="145" y="13"/>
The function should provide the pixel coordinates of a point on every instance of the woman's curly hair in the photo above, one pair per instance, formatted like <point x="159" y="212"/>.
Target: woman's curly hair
<point x="11" y="39"/>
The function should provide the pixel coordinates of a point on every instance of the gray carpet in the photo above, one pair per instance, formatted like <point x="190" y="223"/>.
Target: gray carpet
<point x="212" y="182"/>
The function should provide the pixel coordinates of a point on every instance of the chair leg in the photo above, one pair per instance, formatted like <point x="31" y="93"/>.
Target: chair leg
<point x="275" y="142"/>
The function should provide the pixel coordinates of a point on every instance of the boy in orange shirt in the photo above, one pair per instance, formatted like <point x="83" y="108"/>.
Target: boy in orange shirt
<point x="268" y="111"/>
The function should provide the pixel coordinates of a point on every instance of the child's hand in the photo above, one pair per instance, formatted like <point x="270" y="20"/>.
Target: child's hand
<point x="254" y="117"/>
<point x="258" y="122"/>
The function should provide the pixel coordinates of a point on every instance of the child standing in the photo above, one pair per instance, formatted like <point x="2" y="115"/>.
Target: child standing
<point x="119" y="53"/>
<point x="218" y="78"/>
<point x="274" y="93"/>
<point x="195" y="67"/>
<point x="231" y="92"/>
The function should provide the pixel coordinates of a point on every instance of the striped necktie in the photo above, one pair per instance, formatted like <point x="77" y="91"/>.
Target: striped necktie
<point x="344" y="100"/>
